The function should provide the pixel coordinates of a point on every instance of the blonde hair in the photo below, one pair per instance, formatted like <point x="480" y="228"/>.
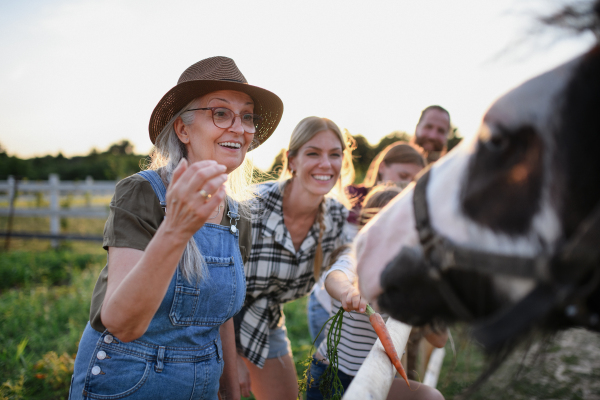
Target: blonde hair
<point x="395" y="153"/>
<point x="166" y="155"/>
<point x="302" y="133"/>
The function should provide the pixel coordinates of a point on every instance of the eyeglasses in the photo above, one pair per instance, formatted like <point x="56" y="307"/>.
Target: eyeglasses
<point x="224" y="118"/>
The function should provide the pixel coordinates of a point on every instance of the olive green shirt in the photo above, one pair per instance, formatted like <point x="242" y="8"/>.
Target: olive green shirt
<point x="135" y="215"/>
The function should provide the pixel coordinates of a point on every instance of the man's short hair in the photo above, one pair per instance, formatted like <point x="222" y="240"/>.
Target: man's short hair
<point x="435" y="107"/>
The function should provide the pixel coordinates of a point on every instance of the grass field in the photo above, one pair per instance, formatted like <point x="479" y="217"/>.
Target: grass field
<point x="41" y="322"/>
<point x="44" y="303"/>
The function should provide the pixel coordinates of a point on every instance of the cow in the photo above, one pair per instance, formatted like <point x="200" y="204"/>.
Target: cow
<point x="504" y="231"/>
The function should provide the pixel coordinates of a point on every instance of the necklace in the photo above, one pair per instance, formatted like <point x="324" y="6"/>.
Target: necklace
<point x="218" y="211"/>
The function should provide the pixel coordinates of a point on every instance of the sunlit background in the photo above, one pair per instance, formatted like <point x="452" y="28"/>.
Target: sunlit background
<point x="77" y="75"/>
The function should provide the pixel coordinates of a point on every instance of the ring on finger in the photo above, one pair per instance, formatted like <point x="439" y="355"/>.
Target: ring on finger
<point x="204" y="194"/>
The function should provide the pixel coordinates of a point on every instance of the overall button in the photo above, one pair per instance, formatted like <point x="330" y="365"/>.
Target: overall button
<point x="101" y="355"/>
<point x="96" y="370"/>
<point x="108" y="339"/>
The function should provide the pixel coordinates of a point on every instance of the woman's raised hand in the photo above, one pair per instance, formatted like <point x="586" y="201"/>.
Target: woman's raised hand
<point x="194" y="193"/>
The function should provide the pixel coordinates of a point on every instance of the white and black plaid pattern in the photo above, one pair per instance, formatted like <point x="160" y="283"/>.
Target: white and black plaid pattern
<point x="275" y="272"/>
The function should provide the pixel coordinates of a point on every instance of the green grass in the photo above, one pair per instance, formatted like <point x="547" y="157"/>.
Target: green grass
<point x="461" y="370"/>
<point x="23" y="269"/>
<point x="43" y="314"/>
<point x="296" y="322"/>
<point x="40" y="328"/>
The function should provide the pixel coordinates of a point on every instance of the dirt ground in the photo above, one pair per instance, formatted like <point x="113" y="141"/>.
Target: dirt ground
<point x="565" y="367"/>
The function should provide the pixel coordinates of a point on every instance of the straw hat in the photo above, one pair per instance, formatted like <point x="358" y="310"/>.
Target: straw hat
<point x="209" y="75"/>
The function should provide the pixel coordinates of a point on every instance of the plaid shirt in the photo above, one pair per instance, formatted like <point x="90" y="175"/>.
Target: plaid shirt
<point x="275" y="272"/>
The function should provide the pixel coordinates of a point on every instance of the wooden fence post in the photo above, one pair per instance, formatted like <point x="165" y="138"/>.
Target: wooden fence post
<point x="89" y="183"/>
<point x="12" y="194"/>
<point x="11" y="188"/>
<point x="54" y="208"/>
<point x="434" y="366"/>
<point x="374" y="377"/>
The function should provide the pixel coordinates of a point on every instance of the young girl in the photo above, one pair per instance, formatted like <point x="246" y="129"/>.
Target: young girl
<point x="358" y="335"/>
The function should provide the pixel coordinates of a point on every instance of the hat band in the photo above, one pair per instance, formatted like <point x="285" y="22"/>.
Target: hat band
<point x="232" y="80"/>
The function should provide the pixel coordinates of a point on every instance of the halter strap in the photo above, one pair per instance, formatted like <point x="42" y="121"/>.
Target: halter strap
<point x="428" y="238"/>
<point x="445" y="254"/>
<point x="580" y="255"/>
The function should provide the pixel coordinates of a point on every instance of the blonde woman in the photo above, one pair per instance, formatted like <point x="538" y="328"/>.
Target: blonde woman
<point x="160" y="321"/>
<point x="300" y="222"/>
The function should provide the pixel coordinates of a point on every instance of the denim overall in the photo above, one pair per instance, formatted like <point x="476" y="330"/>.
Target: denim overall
<point x="180" y="355"/>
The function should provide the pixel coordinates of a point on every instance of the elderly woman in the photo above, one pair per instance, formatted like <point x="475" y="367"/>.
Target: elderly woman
<point x="296" y="228"/>
<point x="160" y="321"/>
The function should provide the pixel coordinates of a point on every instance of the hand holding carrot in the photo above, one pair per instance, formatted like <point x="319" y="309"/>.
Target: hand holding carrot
<point x="353" y="301"/>
<point x="340" y="287"/>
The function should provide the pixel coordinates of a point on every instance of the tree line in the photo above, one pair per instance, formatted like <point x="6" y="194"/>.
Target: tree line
<point x="120" y="160"/>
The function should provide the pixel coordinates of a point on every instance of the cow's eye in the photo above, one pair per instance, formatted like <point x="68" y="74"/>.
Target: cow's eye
<point x="494" y="140"/>
<point x="497" y="143"/>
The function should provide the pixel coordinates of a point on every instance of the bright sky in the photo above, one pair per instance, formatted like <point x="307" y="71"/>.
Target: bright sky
<point x="77" y="74"/>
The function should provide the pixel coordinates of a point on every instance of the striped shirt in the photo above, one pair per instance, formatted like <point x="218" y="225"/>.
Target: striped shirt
<point x="276" y="273"/>
<point x="357" y="339"/>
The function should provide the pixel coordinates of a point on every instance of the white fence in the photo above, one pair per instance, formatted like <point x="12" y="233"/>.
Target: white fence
<point x="53" y="188"/>
<point x="375" y="375"/>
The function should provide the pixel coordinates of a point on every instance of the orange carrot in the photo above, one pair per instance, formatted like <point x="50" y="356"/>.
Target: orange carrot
<point x="386" y="340"/>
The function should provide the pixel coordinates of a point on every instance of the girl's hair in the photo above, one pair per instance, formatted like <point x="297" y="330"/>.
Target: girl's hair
<point x="303" y="132"/>
<point x="335" y="254"/>
<point x="166" y="155"/>
<point x="395" y="153"/>
<point x="378" y="198"/>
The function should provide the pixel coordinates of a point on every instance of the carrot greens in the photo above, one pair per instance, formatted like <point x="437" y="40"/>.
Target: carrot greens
<point x="330" y="385"/>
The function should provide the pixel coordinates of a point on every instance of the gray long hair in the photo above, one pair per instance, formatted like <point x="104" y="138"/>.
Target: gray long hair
<point x="167" y="153"/>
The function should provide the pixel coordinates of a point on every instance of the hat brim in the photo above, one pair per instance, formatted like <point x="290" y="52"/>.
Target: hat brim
<point x="266" y="104"/>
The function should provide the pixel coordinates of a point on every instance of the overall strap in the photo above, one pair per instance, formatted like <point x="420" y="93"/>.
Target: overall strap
<point x="233" y="215"/>
<point x="233" y="209"/>
<point x="157" y="185"/>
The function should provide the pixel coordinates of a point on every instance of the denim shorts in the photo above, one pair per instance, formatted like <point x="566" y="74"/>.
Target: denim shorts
<point x="317" y="368"/>
<point x="279" y="344"/>
<point x="317" y="316"/>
